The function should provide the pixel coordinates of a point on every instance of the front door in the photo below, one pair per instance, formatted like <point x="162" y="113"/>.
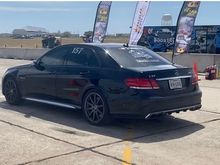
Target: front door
<point x="39" y="80"/>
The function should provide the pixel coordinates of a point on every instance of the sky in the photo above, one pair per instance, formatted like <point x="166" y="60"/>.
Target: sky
<point x="78" y="17"/>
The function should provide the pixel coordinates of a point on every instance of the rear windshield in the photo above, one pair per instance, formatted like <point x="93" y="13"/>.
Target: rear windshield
<point x="136" y="57"/>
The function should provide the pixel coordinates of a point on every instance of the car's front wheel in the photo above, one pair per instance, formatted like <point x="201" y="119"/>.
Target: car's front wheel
<point x="95" y="108"/>
<point x="11" y="92"/>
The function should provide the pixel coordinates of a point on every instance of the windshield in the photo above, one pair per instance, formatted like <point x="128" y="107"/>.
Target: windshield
<point x="136" y="57"/>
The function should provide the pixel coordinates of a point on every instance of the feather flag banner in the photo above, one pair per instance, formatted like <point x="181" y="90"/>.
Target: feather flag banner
<point x="138" y="21"/>
<point x="101" y="21"/>
<point x="185" y="24"/>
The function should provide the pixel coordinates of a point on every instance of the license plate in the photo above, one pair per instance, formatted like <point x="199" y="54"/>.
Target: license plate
<point x="175" y="83"/>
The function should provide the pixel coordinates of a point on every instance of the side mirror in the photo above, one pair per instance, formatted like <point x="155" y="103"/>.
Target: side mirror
<point x="35" y="62"/>
<point x="38" y="64"/>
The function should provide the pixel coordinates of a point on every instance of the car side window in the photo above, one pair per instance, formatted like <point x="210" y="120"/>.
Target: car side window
<point x="81" y="56"/>
<point x="55" y="56"/>
<point x="107" y="60"/>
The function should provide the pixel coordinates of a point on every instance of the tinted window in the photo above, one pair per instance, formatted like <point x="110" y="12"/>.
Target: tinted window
<point x="136" y="57"/>
<point x="55" y="56"/>
<point x="81" y="56"/>
<point x="107" y="61"/>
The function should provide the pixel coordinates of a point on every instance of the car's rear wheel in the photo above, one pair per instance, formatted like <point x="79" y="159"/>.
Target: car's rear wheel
<point x="11" y="92"/>
<point x="95" y="108"/>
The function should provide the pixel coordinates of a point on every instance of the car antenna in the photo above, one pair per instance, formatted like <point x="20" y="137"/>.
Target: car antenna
<point x="126" y="45"/>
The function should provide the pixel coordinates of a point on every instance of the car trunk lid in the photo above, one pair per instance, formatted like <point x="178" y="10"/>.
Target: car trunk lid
<point x="172" y="79"/>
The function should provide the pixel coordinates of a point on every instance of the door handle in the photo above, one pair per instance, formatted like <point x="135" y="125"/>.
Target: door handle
<point x="22" y="77"/>
<point x="84" y="73"/>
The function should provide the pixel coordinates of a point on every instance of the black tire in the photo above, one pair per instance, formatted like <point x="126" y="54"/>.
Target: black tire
<point x="11" y="91"/>
<point x="95" y="108"/>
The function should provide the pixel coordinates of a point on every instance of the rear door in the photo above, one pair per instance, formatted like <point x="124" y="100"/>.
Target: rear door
<point x="80" y="70"/>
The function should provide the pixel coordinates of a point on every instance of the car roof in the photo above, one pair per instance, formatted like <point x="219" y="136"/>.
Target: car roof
<point x="104" y="45"/>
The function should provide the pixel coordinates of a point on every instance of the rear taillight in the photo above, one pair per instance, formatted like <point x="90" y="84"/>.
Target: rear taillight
<point x="194" y="79"/>
<point x="141" y="83"/>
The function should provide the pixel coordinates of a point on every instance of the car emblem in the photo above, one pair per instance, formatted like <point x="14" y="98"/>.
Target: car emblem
<point x="152" y="76"/>
<point x="176" y="73"/>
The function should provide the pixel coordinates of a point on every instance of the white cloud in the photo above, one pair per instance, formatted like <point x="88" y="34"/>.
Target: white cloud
<point x="33" y="9"/>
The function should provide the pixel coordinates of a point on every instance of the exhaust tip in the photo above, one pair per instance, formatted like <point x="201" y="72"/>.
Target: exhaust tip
<point x="195" y="108"/>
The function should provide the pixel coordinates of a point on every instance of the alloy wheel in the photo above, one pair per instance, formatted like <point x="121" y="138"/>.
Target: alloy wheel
<point x="11" y="91"/>
<point x="94" y="107"/>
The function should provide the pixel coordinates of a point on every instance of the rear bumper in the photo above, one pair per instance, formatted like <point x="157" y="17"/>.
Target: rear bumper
<point x="192" y="108"/>
<point x="136" y="105"/>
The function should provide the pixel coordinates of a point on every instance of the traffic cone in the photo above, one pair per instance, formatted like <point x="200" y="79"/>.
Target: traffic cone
<point x="195" y="70"/>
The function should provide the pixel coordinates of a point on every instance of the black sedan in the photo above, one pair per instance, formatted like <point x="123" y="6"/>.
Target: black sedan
<point x="105" y="80"/>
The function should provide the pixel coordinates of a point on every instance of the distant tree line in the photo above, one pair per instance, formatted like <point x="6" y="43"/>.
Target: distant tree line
<point x="90" y="33"/>
<point x="65" y="34"/>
